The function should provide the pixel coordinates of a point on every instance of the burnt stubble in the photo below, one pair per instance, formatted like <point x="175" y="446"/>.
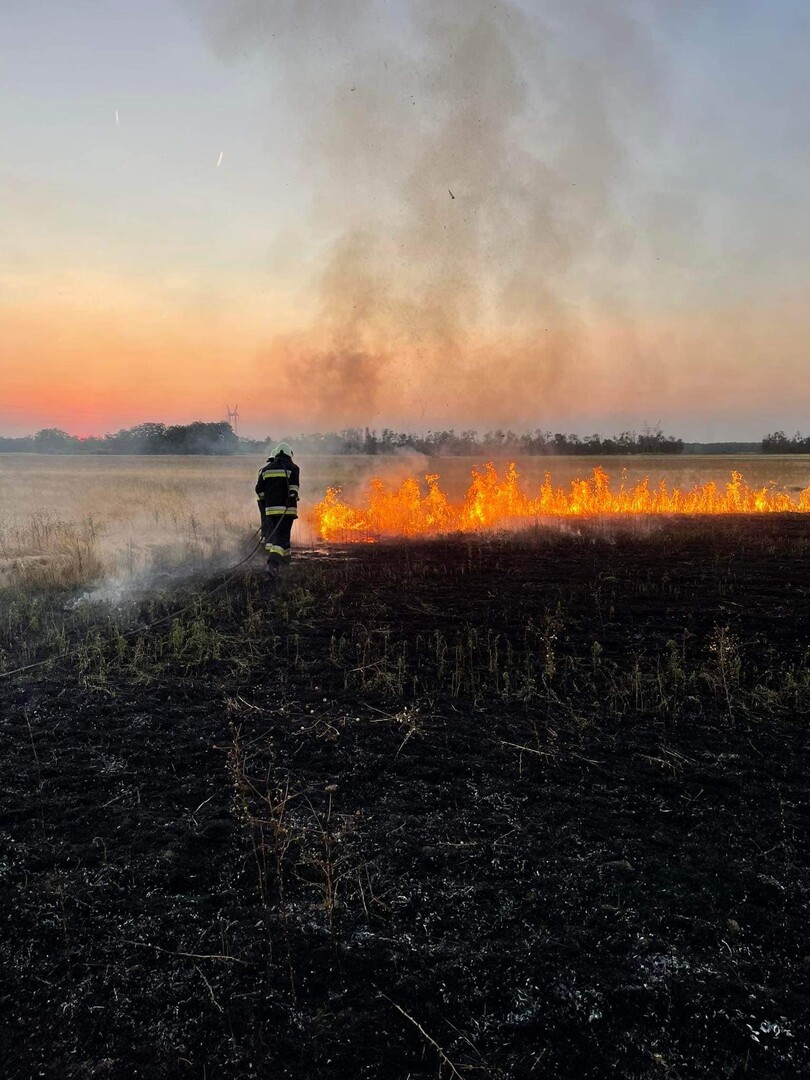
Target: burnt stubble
<point x="510" y="806"/>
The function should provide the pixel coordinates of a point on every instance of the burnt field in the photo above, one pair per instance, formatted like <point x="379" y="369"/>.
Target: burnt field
<point x="527" y="806"/>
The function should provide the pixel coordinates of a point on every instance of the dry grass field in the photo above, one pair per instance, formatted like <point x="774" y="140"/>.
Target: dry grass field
<point x="72" y="520"/>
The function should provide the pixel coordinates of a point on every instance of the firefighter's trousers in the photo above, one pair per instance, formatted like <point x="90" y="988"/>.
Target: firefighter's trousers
<point x="276" y="530"/>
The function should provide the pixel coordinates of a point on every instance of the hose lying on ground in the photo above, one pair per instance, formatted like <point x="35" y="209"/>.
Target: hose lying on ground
<point x="231" y="574"/>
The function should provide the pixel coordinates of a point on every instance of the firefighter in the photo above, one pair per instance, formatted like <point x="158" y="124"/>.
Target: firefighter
<point x="277" y="492"/>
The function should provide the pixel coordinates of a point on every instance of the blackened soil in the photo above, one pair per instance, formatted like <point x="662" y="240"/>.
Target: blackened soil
<point x="517" y="808"/>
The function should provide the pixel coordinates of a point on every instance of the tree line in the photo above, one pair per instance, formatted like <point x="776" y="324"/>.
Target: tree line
<point x="218" y="437"/>
<point x="779" y="443"/>
<point x="196" y="438"/>
<point x="498" y="443"/>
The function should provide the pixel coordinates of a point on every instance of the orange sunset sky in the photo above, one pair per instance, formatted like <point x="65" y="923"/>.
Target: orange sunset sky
<point x="569" y="215"/>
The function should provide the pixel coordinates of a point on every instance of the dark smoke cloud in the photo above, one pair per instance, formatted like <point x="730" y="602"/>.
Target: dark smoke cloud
<point x="468" y="157"/>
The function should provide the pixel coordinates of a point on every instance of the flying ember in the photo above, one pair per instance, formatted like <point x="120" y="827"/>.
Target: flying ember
<point x="494" y="501"/>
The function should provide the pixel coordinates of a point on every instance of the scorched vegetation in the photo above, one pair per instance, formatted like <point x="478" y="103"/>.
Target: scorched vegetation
<point x="484" y="806"/>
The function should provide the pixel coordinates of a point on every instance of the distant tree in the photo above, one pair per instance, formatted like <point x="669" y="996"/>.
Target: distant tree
<point x="653" y="441"/>
<point x="201" y="438"/>
<point x="779" y="443"/>
<point x="53" y="440"/>
<point x="148" y="438"/>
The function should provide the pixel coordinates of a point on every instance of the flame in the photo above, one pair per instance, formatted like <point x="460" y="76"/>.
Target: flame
<point x="493" y="501"/>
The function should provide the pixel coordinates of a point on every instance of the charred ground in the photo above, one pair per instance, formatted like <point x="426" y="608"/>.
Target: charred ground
<point x="512" y="807"/>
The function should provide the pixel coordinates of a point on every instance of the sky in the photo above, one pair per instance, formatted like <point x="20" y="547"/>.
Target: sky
<point x="582" y="215"/>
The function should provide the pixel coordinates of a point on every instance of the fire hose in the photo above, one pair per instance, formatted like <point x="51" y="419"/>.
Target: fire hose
<point x="149" y="626"/>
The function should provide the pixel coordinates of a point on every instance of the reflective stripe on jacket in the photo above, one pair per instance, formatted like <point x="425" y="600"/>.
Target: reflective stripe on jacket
<point x="277" y="487"/>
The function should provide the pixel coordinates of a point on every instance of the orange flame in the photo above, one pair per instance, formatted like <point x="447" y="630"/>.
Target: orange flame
<point x="492" y="501"/>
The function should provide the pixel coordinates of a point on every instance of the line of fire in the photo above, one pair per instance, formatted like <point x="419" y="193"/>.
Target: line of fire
<point x="497" y="501"/>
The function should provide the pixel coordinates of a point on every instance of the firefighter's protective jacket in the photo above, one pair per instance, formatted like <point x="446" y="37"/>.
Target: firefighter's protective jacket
<point x="277" y="487"/>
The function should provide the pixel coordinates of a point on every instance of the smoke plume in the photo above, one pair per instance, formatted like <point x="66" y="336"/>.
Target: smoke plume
<point x="467" y="159"/>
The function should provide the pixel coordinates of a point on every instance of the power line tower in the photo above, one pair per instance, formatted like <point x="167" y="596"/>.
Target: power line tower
<point x="233" y="417"/>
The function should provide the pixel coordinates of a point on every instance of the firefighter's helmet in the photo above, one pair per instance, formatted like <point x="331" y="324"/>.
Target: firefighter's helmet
<point x="282" y="448"/>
